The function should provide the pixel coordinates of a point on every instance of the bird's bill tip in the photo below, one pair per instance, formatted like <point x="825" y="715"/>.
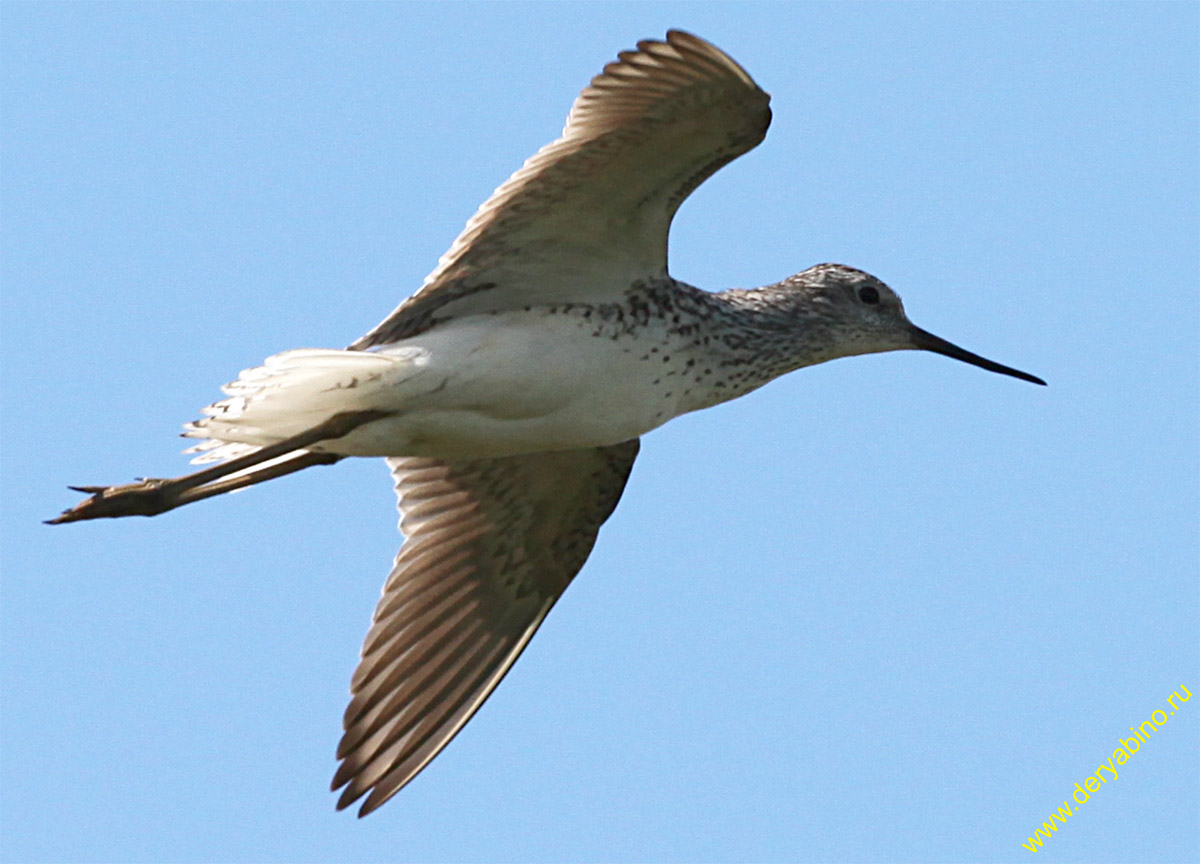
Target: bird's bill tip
<point x="926" y="341"/>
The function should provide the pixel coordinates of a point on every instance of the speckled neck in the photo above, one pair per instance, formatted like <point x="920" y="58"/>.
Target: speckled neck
<point x="725" y="345"/>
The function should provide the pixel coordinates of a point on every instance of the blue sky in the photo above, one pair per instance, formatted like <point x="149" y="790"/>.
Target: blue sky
<point x="890" y="608"/>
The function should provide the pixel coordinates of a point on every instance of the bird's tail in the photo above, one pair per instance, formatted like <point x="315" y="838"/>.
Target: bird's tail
<point x="292" y="392"/>
<point x="281" y="417"/>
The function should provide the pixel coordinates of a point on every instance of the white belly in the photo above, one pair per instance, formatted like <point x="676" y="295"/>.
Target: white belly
<point x="522" y="382"/>
<point x="487" y="385"/>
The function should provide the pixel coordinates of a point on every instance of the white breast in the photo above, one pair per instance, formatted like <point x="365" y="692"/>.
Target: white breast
<point x="484" y="385"/>
<point x="525" y="381"/>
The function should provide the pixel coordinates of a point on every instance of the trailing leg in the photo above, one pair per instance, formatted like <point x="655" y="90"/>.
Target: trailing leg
<point x="152" y="496"/>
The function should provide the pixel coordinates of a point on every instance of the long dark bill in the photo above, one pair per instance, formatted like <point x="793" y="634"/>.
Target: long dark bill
<point x="926" y="341"/>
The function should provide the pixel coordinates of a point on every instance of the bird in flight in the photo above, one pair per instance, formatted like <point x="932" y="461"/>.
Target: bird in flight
<point x="509" y="392"/>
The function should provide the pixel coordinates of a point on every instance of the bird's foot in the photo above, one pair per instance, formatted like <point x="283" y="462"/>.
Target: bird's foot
<point x="146" y="497"/>
<point x="151" y="496"/>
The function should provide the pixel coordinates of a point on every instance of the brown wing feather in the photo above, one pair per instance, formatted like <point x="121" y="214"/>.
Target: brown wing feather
<point x="491" y="544"/>
<point x="589" y="214"/>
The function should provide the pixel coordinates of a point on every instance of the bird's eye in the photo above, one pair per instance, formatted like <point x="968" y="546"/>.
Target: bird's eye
<point x="869" y="295"/>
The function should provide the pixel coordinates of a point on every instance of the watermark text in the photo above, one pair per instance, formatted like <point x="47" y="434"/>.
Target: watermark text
<point x="1109" y="770"/>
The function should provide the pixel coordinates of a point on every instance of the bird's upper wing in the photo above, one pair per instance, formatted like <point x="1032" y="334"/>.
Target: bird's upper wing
<point x="589" y="213"/>
<point x="490" y="545"/>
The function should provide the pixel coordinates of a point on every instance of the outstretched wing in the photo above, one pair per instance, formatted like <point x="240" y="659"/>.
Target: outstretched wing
<point x="491" y="544"/>
<point x="588" y="214"/>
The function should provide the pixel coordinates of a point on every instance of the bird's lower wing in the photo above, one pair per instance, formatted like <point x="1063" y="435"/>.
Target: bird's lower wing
<point x="491" y="544"/>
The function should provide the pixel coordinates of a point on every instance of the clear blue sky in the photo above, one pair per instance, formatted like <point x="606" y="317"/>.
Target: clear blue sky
<point x="887" y="609"/>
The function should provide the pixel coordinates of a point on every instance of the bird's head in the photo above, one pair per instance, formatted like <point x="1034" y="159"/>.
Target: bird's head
<point x="862" y="315"/>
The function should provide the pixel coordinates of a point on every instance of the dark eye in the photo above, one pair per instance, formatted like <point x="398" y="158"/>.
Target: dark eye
<point x="868" y="295"/>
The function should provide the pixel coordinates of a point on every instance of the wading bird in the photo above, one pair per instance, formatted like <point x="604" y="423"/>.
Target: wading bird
<point x="508" y="394"/>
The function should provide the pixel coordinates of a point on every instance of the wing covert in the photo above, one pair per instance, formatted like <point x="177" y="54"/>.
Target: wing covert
<point x="589" y="213"/>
